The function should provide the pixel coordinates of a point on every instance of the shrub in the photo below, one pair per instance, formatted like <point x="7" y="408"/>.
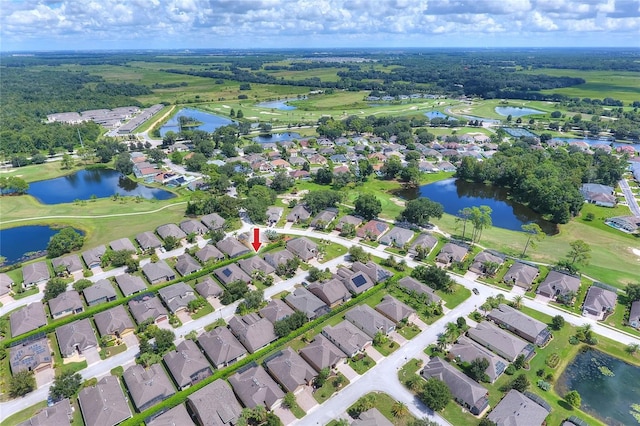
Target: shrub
<point x="510" y="370"/>
<point x="545" y="386"/>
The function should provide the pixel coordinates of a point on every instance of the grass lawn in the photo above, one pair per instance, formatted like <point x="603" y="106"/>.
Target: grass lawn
<point x="617" y="319"/>
<point x="384" y="403"/>
<point x="387" y="348"/>
<point x="24" y="415"/>
<point x="408" y="331"/>
<point x="77" y="366"/>
<point x="27" y="292"/>
<point x="330" y="387"/>
<point x="206" y="310"/>
<point x="363" y="364"/>
<point x="37" y="172"/>
<point x="113" y="350"/>
<point x="459" y="295"/>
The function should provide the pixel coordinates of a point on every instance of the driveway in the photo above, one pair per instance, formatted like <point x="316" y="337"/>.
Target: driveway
<point x="45" y="376"/>
<point x="184" y="317"/>
<point x="347" y="371"/>
<point x="542" y="299"/>
<point x="374" y="354"/>
<point x="92" y="356"/>
<point x="130" y="340"/>
<point x="398" y="338"/>
<point x="286" y="416"/>
<point x="305" y="399"/>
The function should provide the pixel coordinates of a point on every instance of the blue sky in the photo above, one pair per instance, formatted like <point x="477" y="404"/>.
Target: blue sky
<point x="248" y="24"/>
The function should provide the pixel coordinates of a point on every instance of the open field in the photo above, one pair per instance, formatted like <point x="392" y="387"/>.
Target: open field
<point x="486" y="108"/>
<point x="37" y="172"/>
<point x="324" y="74"/>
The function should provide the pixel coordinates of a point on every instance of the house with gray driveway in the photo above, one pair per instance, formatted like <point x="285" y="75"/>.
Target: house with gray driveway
<point x="369" y="320"/>
<point x="600" y="195"/>
<point x="521" y="275"/>
<point x="276" y="310"/>
<point x="411" y="285"/>
<point x="130" y="284"/>
<point x="230" y="273"/>
<point x="213" y="221"/>
<point x="252" y="331"/>
<point x="232" y="247"/>
<point x="114" y="322"/>
<point x="27" y="319"/>
<point x="221" y="347"/>
<point x="324" y="218"/>
<point x="69" y="264"/>
<point x="321" y="353"/>
<point x="254" y="387"/>
<point x="192" y="226"/>
<point x="500" y="341"/>
<point x="104" y="404"/>
<point x="101" y="292"/>
<point x="186" y="264"/>
<point x="466" y="350"/>
<point x="516" y="409"/>
<point x="303" y="300"/>
<point x="147" y="387"/>
<point x="177" y="296"/>
<point x="178" y="415"/>
<point x="397" y="237"/>
<point x="347" y="337"/>
<point x="93" y="257"/>
<point x="148" y="307"/>
<point x="479" y="265"/>
<point x="208" y="288"/>
<point x="76" y="337"/>
<point x="255" y="264"/>
<point x="426" y="241"/>
<point x="466" y="392"/>
<point x="451" y="252"/>
<point x="34" y="355"/>
<point x="158" y="272"/>
<point x="209" y="252"/>
<point x="332" y="292"/>
<point x="148" y="241"/>
<point x="170" y="230"/>
<point x="187" y="364"/>
<point x="522" y="325"/>
<point x="122" y="244"/>
<point x="67" y="303"/>
<point x="290" y="370"/>
<point x="59" y="414"/>
<point x="278" y="258"/>
<point x="214" y="404"/>
<point x="5" y="284"/>
<point x="395" y="310"/>
<point x="348" y="219"/>
<point x="35" y="274"/>
<point x="299" y="213"/>
<point x="303" y="247"/>
<point x="559" y="284"/>
<point x="599" y="302"/>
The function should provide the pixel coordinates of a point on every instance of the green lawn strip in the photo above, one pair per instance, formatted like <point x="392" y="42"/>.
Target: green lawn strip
<point x="5" y="377"/>
<point x="387" y="348"/>
<point x="329" y="387"/>
<point x="206" y="310"/>
<point x="408" y="331"/>
<point x="297" y="411"/>
<point x="457" y="296"/>
<point x="361" y="363"/>
<point x="73" y="367"/>
<point x="24" y="415"/>
<point x="112" y="350"/>
<point x="28" y="292"/>
<point x="78" y="420"/>
<point x="617" y="319"/>
<point x="384" y="403"/>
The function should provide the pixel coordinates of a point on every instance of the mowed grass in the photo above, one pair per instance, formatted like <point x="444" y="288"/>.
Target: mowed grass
<point x="37" y="172"/>
<point x="486" y="108"/>
<point x="24" y="415"/>
<point x="324" y="74"/>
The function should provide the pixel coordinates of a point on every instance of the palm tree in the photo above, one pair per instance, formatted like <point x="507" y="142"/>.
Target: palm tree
<point x="632" y="348"/>
<point x="399" y="409"/>
<point x="517" y="301"/>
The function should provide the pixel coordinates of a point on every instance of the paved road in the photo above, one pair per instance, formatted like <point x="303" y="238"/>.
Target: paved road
<point x="631" y="199"/>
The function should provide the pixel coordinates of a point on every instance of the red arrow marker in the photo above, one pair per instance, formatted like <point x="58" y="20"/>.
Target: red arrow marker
<point x="256" y="239"/>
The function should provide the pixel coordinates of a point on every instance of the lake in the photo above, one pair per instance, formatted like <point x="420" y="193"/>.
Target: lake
<point x="276" y="137"/>
<point x="516" y="111"/>
<point x="82" y="184"/>
<point x="281" y="105"/>
<point x="210" y="122"/>
<point x="15" y="243"/>
<point x="456" y="194"/>
<point x="437" y="114"/>
<point x="605" y="396"/>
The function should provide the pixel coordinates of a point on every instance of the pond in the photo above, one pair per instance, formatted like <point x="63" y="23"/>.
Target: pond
<point x="25" y="242"/>
<point x="281" y="105"/>
<point x="276" y="137"/>
<point x="437" y="114"/>
<point x="516" y="111"/>
<point x="210" y="122"/>
<point x="82" y="184"/>
<point x="456" y="194"/>
<point x="608" y="386"/>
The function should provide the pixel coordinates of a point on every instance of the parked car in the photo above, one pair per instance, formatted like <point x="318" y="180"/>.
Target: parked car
<point x="475" y="291"/>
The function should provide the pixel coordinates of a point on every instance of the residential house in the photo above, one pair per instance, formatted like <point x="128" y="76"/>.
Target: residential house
<point x="213" y="221"/>
<point x="303" y="300"/>
<point x="232" y="247"/>
<point x="279" y="163"/>
<point x="67" y="303"/>
<point x="369" y="320"/>
<point x="481" y="261"/>
<point x="273" y="215"/>
<point x="303" y="247"/>
<point x="397" y="237"/>
<point x="277" y="258"/>
<point x="30" y="355"/>
<point x="466" y="350"/>
<point x="158" y="272"/>
<point x="130" y="284"/>
<point x="468" y="393"/>
<point x="298" y="214"/>
<point x="324" y="218"/>
<point x="93" y="257"/>
<point x="559" y="284"/>
<point x="427" y="167"/>
<point x="347" y="337"/>
<point x="290" y="370"/>
<point x="114" y="322"/>
<point x="215" y="405"/>
<point x="600" y="195"/>
<point x="35" y="274"/>
<point x="371" y="269"/>
<point x="451" y="253"/>
<point x="627" y="224"/>
<point x="148" y="241"/>
<point x="221" y="347"/>
<point x="230" y="273"/>
<point x="28" y="318"/>
<point x="410" y="285"/>
<point x="187" y="364"/>
<point x="276" y="310"/>
<point x="147" y="387"/>
<point x="371" y="417"/>
<point x="355" y="282"/>
<point x="500" y="341"/>
<point x="255" y="264"/>
<point x="192" y="226"/>
<point x="148" y="307"/>
<point x="209" y="252"/>
<point x="516" y="409"/>
<point x="446" y="166"/>
<point x="599" y="302"/>
<point x="255" y="387"/>
<point x="170" y="230"/>
<point x="321" y="353"/>
<point x="523" y="325"/>
<point x="122" y="244"/>
<point x="332" y="292"/>
<point x="177" y="296"/>
<point x="426" y="241"/>
<point x="186" y="264"/>
<point x="318" y="159"/>
<point x="101" y="292"/>
<point x="58" y="414"/>
<point x="521" y="275"/>
<point x="372" y="230"/>
<point x="69" y="264"/>
<point x="395" y="310"/>
<point x="76" y="337"/>
<point x="5" y="284"/>
<point x="104" y="404"/>
<point x="208" y="288"/>
<point x="297" y="161"/>
<point x="178" y="415"/>
<point x="634" y="315"/>
<point x="252" y="331"/>
<point x="351" y="220"/>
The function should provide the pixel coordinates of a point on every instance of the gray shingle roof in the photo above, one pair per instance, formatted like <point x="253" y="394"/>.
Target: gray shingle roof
<point x="521" y="274"/>
<point x="255" y="263"/>
<point x="347" y="337"/>
<point x="278" y="258"/>
<point x="276" y="310"/>
<point x="148" y="240"/>
<point x="423" y="240"/>
<point x="78" y="334"/>
<point x="290" y="370"/>
<point x="324" y="217"/>
<point x="177" y="296"/>
<point x="634" y="314"/>
<point x="369" y="320"/>
<point x="102" y="289"/>
<point x="599" y="300"/>
<point x="482" y="257"/>
<point x="34" y="273"/>
<point x="230" y="273"/>
<point x="186" y="264"/>
<point x="252" y="331"/>
<point x="515" y="409"/>
<point x="177" y="416"/>
<point x="330" y="292"/>
<point x="466" y="350"/>
<point x="170" y="230"/>
<point x="232" y="247"/>
<point x="394" y="309"/>
<point x="149" y="307"/>
<point x="122" y="244"/>
<point x="321" y="353"/>
<point x="371" y="417"/>
<point x="303" y="300"/>
<point x="298" y="213"/>
<point x="147" y="387"/>
<point x="58" y="414"/>
<point x="522" y="324"/>
<point x="451" y="253"/>
<point x="557" y="282"/>
<point x="498" y="340"/>
<point x="462" y="387"/>
<point x="27" y="319"/>
<point x="187" y="364"/>
<point x="71" y="263"/>
<point x="93" y="256"/>
<point x="104" y="404"/>
<point x="355" y="282"/>
<point x="215" y="404"/>
<point x="303" y="247"/>
<point x="411" y="284"/>
<point x="112" y="321"/>
<point x="190" y="226"/>
<point x="372" y="270"/>
<point x="130" y="284"/>
<point x="208" y="288"/>
<point x="353" y="220"/>
<point x="397" y="236"/>
<point x="67" y="301"/>
<point x="213" y="221"/>
<point x="255" y="387"/>
<point x="5" y="283"/>
<point x="158" y="271"/>
<point x="209" y="252"/>
<point x="29" y="355"/>
<point x="221" y="346"/>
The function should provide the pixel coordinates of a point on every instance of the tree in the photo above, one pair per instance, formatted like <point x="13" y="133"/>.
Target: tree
<point x="391" y="167"/>
<point x="399" y="409"/>
<point x="633" y="293"/>
<point x="348" y="230"/>
<point x="281" y="181"/>
<point x="164" y="340"/>
<point x="368" y="206"/>
<point x="65" y="385"/>
<point x="420" y="210"/>
<point x="477" y="370"/>
<point x="22" y="383"/>
<point x="156" y="155"/>
<point x="520" y="383"/>
<point x="67" y="161"/>
<point x="481" y="218"/>
<point x="65" y="241"/>
<point x="632" y="348"/>
<point x="54" y="288"/>
<point x="433" y="276"/>
<point x="358" y="254"/>
<point x="580" y="252"/>
<point x="486" y="422"/>
<point x="320" y="200"/>
<point x="435" y="394"/>
<point x="464" y="215"/>
<point x="534" y="232"/>
<point x="517" y="301"/>
<point x="573" y="398"/>
<point x="323" y="176"/>
<point x="322" y="377"/>
<point x="81" y="284"/>
<point x="171" y="242"/>
<point x="289" y="400"/>
<point x="557" y="322"/>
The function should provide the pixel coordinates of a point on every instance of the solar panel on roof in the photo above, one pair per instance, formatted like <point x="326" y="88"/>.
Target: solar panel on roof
<point x="227" y="272"/>
<point x="359" y="280"/>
